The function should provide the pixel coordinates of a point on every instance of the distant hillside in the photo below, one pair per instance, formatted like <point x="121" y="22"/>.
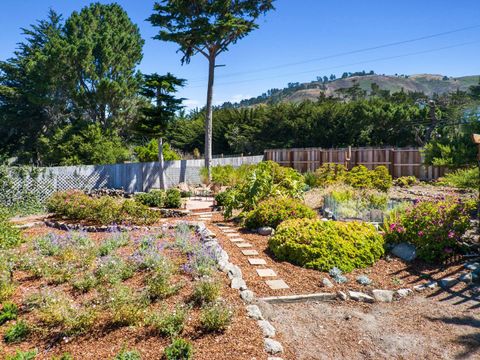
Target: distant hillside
<point x="427" y="83"/>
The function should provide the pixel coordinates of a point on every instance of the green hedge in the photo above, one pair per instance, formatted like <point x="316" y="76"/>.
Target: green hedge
<point x="273" y="211"/>
<point x="75" y="205"/>
<point x="322" y="245"/>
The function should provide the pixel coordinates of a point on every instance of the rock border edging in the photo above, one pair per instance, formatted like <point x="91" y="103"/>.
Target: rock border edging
<point x="234" y="273"/>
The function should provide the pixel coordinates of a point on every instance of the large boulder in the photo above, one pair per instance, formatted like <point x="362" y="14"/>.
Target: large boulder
<point x="404" y="251"/>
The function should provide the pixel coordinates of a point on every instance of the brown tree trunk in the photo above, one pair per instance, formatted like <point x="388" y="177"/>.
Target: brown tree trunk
<point x="209" y="115"/>
<point x="161" y="163"/>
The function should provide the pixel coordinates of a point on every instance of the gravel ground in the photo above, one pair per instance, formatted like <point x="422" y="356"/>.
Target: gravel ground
<point x="416" y="328"/>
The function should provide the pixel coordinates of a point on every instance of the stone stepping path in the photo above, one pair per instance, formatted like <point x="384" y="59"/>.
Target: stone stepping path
<point x="266" y="273"/>
<point x="250" y="252"/>
<point x="243" y="245"/>
<point x="234" y="236"/>
<point x="277" y="284"/>
<point x="255" y="261"/>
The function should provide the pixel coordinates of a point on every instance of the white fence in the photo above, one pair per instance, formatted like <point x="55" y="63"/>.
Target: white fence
<point x="133" y="177"/>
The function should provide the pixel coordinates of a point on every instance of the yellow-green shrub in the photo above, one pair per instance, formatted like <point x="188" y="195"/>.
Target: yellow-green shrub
<point x="272" y="212"/>
<point x="323" y="245"/>
<point x="358" y="177"/>
<point x="329" y="174"/>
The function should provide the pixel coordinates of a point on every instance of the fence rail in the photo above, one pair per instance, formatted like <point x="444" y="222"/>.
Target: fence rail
<point x="399" y="161"/>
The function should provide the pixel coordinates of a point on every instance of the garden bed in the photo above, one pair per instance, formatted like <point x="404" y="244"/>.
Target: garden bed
<point x="104" y="339"/>
<point x="389" y="273"/>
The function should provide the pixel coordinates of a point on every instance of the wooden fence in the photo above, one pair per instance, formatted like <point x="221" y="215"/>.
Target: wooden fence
<point x="399" y="161"/>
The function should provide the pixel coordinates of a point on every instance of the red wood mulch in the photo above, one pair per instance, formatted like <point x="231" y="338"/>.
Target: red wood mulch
<point x="242" y="340"/>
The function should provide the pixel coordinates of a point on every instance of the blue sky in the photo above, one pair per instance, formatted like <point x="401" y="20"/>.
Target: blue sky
<point x="298" y="31"/>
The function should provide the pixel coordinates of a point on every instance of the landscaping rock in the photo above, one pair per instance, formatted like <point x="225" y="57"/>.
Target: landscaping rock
<point x="273" y="347"/>
<point x="274" y="358"/>
<point x="472" y="266"/>
<point x="247" y="296"/>
<point x="342" y="296"/>
<point x="405" y="251"/>
<point x="267" y="328"/>
<point x="254" y="312"/>
<point x="223" y="265"/>
<point x="327" y="283"/>
<point x="448" y="282"/>
<point x="383" y="295"/>
<point x="401" y="293"/>
<point x="430" y="285"/>
<point x="238" y="283"/>
<point x="265" y="231"/>
<point x="466" y="278"/>
<point x="234" y="271"/>
<point x="359" y="296"/>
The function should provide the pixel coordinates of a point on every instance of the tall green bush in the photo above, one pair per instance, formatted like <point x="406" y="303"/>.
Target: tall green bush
<point x="329" y="174"/>
<point x="149" y="152"/>
<point x="322" y="245"/>
<point x="226" y="175"/>
<point x="267" y="179"/>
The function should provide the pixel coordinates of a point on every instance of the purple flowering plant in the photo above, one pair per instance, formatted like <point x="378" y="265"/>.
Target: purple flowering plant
<point x="434" y="227"/>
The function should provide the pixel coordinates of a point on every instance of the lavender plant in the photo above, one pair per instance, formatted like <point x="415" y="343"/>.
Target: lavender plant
<point x="116" y="240"/>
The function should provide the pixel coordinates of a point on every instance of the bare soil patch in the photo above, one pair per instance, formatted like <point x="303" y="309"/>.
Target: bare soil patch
<point x="417" y="328"/>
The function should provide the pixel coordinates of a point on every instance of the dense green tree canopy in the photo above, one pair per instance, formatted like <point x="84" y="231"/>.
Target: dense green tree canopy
<point x="66" y="75"/>
<point x="160" y="111"/>
<point x="104" y="49"/>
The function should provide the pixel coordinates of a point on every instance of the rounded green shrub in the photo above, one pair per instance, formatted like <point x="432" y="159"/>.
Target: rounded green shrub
<point x="381" y="178"/>
<point x="154" y="198"/>
<point x="322" y="245"/>
<point x="406" y="181"/>
<point x="272" y="212"/>
<point x="173" y="199"/>
<point x="179" y="349"/>
<point x="330" y="173"/>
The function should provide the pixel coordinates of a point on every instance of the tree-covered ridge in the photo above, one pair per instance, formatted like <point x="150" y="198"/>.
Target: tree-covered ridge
<point x="399" y="119"/>
<point x="427" y="84"/>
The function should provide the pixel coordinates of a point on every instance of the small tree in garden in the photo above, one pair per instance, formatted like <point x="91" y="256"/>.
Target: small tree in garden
<point x="207" y="27"/>
<point x="160" y="89"/>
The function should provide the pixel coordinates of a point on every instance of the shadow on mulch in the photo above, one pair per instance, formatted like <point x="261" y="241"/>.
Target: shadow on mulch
<point x="470" y="342"/>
